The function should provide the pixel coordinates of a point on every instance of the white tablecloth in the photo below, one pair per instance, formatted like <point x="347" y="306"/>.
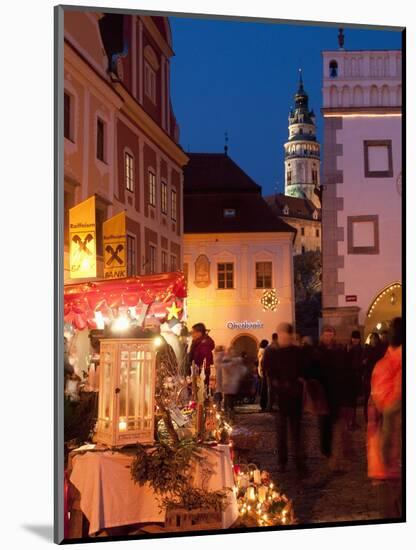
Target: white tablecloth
<point x="110" y="498"/>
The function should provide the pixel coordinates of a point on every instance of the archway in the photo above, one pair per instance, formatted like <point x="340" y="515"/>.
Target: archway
<point x="385" y="306"/>
<point x="248" y="344"/>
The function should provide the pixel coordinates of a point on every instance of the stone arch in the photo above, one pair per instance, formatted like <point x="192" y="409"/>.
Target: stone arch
<point x="374" y="96"/>
<point x="346" y="97"/>
<point x="358" y="96"/>
<point x="385" y="96"/>
<point x="386" y="305"/>
<point x="399" y="94"/>
<point x="333" y="96"/>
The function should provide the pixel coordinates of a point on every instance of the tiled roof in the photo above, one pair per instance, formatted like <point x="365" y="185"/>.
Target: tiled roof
<point x="298" y="207"/>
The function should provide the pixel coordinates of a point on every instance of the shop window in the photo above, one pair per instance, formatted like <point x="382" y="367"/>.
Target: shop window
<point x="225" y="272"/>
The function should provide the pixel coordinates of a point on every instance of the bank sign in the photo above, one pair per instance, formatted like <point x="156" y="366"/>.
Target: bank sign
<point x="244" y="325"/>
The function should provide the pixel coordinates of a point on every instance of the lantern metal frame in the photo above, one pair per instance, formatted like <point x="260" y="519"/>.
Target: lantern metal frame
<point x="126" y="403"/>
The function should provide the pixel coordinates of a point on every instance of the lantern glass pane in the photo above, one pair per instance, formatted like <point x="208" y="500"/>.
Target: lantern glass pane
<point x="107" y="388"/>
<point x="123" y="387"/>
<point x="133" y="385"/>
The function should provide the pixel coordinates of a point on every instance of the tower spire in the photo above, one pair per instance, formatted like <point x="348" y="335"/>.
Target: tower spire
<point x="300" y="81"/>
<point x="341" y="38"/>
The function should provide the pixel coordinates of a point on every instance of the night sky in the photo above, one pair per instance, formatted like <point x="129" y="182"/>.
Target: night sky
<point x="240" y="77"/>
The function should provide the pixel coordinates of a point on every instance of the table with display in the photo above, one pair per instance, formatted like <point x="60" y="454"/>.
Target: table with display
<point x="105" y="493"/>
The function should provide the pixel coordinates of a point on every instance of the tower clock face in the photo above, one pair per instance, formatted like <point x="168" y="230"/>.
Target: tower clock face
<point x="399" y="184"/>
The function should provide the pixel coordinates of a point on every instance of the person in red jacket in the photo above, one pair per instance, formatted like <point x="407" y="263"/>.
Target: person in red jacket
<point x="201" y="349"/>
<point x="384" y="425"/>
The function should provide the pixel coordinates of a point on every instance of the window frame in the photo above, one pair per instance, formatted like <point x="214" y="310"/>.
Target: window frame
<point x="164" y="261"/>
<point x="264" y="275"/>
<point x="152" y="187"/>
<point x="152" y="259"/>
<point x="378" y="173"/>
<point x="129" y="177"/>
<point x="225" y="272"/>
<point x="68" y="116"/>
<point x="149" y="82"/>
<point x="100" y="122"/>
<point x="164" y="197"/>
<point x="173" y="205"/>
<point x="351" y="249"/>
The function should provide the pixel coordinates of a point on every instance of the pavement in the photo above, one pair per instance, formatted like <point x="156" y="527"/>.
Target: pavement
<point x="322" y="496"/>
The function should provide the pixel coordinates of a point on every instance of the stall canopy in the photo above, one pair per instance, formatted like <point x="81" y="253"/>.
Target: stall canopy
<point x="161" y="296"/>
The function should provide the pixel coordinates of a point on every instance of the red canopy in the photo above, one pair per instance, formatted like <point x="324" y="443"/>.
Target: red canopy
<point x="82" y="300"/>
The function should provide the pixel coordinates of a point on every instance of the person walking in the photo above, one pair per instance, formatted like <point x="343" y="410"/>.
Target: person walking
<point x="384" y="426"/>
<point x="284" y="365"/>
<point x="373" y="352"/>
<point x="263" y="379"/>
<point x="355" y="364"/>
<point x="336" y="378"/>
<point x="201" y="349"/>
<point x="230" y="372"/>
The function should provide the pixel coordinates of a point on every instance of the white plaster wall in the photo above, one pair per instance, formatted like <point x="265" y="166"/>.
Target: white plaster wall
<point x="217" y="307"/>
<point x="366" y="275"/>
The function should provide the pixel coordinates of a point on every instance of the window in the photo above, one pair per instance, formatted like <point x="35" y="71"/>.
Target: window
<point x="149" y="82"/>
<point x="317" y="232"/>
<point x="286" y="210"/>
<point x="164" y="197"/>
<point x="378" y="158"/>
<point x="302" y="231"/>
<point x="68" y="132"/>
<point x="164" y="261"/>
<point x="263" y="274"/>
<point x="289" y="176"/>
<point x="173" y="205"/>
<point x="315" y="177"/>
<point x="363" y="235"/>
<point x="333" y="69"/>
<point x="100" y="140"/>
<point x="152" y="259"/>
<point x="225" y="273"/>
<point x="129" y="171"/>
<point x="229" y="212"/>
<point x="152" y="188"/>
<point x="303" y="249"/>
<point x="131" y="256"/>
<point x="173" y="265"/>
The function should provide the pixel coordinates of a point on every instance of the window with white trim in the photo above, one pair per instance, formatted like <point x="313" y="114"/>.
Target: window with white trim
<point x="225" y="275"/>
<point x="129" y="171"/>
<point x="149" y="82"/>
<point x="164" y="197"/>
<point x="152" y="188"/>
<point x="263" y="274"/>
<point x="173" y="205"/>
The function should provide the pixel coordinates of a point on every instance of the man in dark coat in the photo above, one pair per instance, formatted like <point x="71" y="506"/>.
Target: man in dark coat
<point x="201" y="349"/>
<point x="355" y="363"/>
<point x="331" y="370"/>
<point x="284" y="366"/>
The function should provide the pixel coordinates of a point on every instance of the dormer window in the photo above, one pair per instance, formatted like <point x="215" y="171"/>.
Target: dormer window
<point x="229" y="213"/>
<point x="286" y="210"/>
<point x="315" y="215"/>
<point x="333" y="69"/>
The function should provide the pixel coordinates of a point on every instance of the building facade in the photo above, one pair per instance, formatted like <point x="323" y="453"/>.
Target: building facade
<point x="121" y="137"/>
<point x="361" y="204"/>
<point x="302" y="150"/>
<point x="302" y="215"/>
<point x="237" y="255"/>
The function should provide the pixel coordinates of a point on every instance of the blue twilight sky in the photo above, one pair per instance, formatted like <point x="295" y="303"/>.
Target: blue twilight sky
<point x="240" y="77"/>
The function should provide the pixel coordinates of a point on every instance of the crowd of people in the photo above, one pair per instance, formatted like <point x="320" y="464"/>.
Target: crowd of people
<point x="328" y="380"/>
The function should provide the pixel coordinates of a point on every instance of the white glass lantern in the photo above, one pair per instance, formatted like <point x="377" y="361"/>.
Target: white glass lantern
<point x="127" y="390"/>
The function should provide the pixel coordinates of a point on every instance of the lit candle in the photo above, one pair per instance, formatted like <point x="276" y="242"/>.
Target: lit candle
<point x="262" y="492"/>
<point x="251" y="493"/>
<point x="122" y="425"/>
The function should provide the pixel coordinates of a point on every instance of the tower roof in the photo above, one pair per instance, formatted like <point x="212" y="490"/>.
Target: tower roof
<point x="301" y="112"/>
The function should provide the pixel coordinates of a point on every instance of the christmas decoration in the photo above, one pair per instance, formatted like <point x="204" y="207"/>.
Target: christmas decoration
<point x="269" y="300"/>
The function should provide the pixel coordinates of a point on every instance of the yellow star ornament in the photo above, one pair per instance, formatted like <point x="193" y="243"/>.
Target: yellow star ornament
<point x="173" y="311"/>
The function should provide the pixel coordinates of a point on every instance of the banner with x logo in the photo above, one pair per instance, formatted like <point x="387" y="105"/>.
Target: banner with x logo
<point x="82" y="240"/>
<point x="114" y="245"/>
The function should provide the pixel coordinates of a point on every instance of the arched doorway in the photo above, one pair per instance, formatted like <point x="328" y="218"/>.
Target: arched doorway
<point x="385" y="306"/>
<point x="248" y="344"/>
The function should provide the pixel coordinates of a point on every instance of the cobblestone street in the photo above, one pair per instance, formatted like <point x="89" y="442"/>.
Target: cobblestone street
<point x="321" y="496"/>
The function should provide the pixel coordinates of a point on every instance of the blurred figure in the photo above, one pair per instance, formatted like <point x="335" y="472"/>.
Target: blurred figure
<point x="274" y="342"/>
<point x="372" y="353"/>
<point x="336" y="378"/>
<point x="384" y="425"/>
<point x="306" y="341"/>
<point x="230" y="372"/>
<point x="263" y="379"/>
<point x="297" y="339"/>
<point x="355" y="364"/>
<point x="384" y="337"/>
<point x="284" y="365"/>
<point x="219" y="353"/>
<point x="201" y="349"/>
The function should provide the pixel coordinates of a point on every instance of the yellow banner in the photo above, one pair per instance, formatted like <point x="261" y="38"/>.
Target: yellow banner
<point x="82" y="238"/>
<point x="114" y="240"/>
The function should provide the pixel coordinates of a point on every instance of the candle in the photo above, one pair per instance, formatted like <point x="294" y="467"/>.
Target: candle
<point x="243" y="481"/>
<point x="251" y="493"/>
<point x="262" y="492"/>
<point x="257" y="477"/>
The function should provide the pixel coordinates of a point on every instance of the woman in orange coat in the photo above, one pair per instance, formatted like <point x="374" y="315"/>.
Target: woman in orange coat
<point x="384" y="425"/>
